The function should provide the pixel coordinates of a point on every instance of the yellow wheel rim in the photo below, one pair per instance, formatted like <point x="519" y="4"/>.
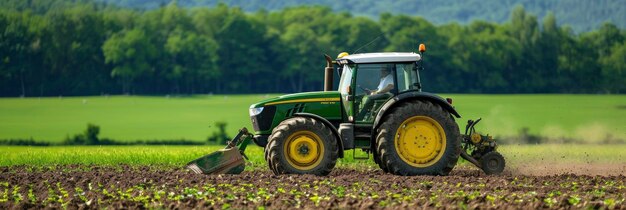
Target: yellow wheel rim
<point x="420" y="141"/>
<point x="304" y="150"/>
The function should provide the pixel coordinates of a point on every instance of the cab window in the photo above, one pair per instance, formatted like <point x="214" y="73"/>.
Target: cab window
<point x="375" y="84"/>
<point x="406" y="77"/>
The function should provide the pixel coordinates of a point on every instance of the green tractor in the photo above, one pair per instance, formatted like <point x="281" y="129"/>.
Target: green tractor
<point x="379" y="107"/>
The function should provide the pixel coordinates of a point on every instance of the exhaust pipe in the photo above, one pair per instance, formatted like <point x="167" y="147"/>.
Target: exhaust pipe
<point x="328" y="74"/>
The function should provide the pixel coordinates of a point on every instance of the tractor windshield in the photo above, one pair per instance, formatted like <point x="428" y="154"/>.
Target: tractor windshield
<point x="346" y="78"/>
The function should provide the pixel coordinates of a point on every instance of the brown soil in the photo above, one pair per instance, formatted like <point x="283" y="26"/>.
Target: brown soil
<point x="591" y="169"/>
<point x="79" y="187"/>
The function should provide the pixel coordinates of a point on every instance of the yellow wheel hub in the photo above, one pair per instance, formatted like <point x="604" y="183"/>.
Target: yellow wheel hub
<point x="420" y="141"/>
<point x="475" y="138"/>
<point x="304" y="150"/>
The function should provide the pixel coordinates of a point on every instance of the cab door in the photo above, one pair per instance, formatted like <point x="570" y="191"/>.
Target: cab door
<point x="346" y="90"/>
<point x="369" y="77"/>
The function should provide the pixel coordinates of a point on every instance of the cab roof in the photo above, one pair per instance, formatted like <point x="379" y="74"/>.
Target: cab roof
<point x="382" y="57"/>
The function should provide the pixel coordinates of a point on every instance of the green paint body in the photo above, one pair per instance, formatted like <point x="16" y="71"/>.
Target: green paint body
<point x="324" y="104"/>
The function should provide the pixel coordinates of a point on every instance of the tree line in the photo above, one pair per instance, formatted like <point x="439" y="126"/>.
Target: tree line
<point x="580" y="15"/>
<point x="93" y="49"/>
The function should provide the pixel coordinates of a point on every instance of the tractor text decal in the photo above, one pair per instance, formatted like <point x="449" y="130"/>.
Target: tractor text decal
<point x="296" y="109"/>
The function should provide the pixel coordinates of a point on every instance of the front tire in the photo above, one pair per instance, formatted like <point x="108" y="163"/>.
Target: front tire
<point x="301" y="145"/>
<point x="418" y="138"/>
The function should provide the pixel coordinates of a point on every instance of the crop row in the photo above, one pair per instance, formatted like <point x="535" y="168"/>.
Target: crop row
<point x="353" y="189"/>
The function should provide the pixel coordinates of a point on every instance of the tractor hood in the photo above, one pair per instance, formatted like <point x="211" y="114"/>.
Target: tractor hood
<point x="321" y="96"/>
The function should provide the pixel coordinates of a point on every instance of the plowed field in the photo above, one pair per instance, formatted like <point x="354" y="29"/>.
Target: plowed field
<point x="95" y="187"/>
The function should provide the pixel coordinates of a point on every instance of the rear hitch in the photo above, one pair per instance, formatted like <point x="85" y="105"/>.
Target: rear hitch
<point x="481" y="150"/>
<point x="229" y="160"/>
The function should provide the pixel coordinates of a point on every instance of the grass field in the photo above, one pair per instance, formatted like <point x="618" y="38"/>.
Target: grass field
<point x="536" y="176"/>
<point x="524" y="158"/>
<point x="122" y="117"/>
<point x="589" y="117"/>
<point x="163" y="156"/>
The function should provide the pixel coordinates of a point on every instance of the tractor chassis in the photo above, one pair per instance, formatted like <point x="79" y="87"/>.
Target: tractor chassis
<point x="478" y="149"/>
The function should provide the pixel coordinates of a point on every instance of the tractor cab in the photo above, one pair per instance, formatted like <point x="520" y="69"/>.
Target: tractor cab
<point x="369" y="80"/>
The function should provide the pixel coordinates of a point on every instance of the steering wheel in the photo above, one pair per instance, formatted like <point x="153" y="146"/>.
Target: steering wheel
<point x="368" y="91"/>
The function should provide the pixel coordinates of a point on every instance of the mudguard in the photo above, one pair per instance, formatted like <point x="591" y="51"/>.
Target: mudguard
<point x="409" y="96"/>
<point x="328" y="124"/>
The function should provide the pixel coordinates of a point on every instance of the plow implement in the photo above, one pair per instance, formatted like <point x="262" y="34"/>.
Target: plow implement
<point x="481" y="150"/>
<point x="229" y="160"/>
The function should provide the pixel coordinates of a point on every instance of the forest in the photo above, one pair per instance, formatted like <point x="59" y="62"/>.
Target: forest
<point x="92" y="48"/>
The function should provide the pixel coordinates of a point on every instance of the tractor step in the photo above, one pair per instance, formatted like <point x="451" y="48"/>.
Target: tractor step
<point x="360" y="158"/>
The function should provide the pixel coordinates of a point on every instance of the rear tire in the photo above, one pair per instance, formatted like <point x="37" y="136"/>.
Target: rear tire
<point x="418" y="138"/>
<point x="379" y="163"/>
<point x="301" y="145"/>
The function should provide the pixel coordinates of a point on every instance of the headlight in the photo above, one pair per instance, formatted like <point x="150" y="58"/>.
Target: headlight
<point x="255" y="111"/>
